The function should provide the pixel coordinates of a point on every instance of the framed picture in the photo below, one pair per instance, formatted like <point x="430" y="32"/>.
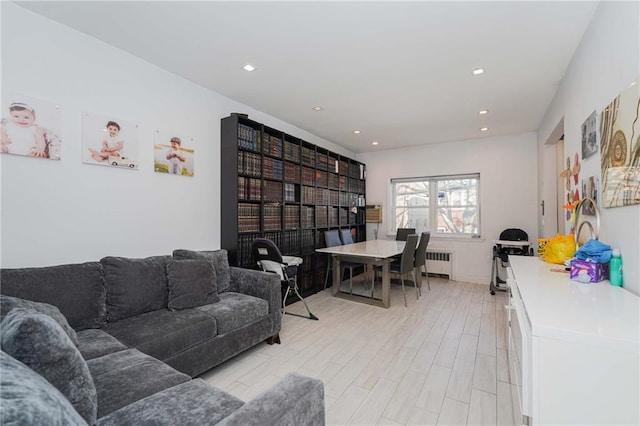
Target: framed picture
<point x="30" y="127"/>
<point x="589" y="136"/>
<point x="109" y="141"/>
<point x="590" y="190"/>
<point x="620" y="149"/>
<point x="173" y="153"/>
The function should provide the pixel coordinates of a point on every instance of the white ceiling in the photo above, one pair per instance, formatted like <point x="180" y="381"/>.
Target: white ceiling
<point x="400" y="72"/>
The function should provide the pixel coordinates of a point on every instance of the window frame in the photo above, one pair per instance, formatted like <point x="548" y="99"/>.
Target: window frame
<point x="434" y="206"/>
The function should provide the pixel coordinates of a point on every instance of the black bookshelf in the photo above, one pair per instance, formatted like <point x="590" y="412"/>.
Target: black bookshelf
<point x="277" y="186"/>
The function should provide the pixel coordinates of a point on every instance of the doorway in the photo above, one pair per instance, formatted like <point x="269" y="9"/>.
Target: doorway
<point x="552" y="186"/>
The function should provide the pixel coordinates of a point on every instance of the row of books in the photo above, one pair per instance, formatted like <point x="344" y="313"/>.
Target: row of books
<point x="245" y="241"/>
<point x="333" y="216"/>
<point x="272" y="168"/>
<point x="308" y="176"/>
<point x="308" y="157"/>
<point x="308" y="195"/>
<point x="291" y="217"/>
<point x="249" y="163"/>
<point x="272" y="217"/>
<point x="290" y="193"/>
<point x="248" y="217"/>
<point x="248" y="137"/>
<point x="321" y="179"/>
<point x="291" y="172"/>
<point x="249" y="189"/>
<point x="308" y="217"/>
<point x="291" y="151"/>
<point x="321" y="216"/>
<point x="271" y="145"/>
<point x="272" y="191"/>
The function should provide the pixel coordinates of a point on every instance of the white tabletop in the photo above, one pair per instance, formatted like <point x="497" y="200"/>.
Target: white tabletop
<point x="599" y="314"/>
<point x="378" y="249"/>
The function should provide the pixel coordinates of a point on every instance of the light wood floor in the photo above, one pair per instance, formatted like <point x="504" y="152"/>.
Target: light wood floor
<point x="442" y="360"/>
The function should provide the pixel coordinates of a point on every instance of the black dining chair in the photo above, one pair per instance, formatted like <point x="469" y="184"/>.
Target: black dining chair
<point x="404" y="266"/>
<point x="403" y="233"/>
<point x="421" y="258"/>
<point x="332" y="239"/>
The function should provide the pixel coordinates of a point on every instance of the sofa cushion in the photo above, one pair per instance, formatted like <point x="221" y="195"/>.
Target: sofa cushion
<point x="134" y="286"/>
<point x="29" y="399"/>
<point x="7" y="303"/>
<point x="192" y="282"/>
<point x="94" y="343"/>
<point x="164" y="333"/>
<point x="77" y="290"/>
<point x="124" y="377"/>
<point x="190" y="403"/>
<point x="235" y="310"/>
<point x="37" y="341"/>
<point x="220" y="262"/>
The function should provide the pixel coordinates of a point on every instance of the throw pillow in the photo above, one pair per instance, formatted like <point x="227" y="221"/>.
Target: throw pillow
<point x="37" y="341"/>
<point x="134" y="286"/>
<point x="220" y="262"/>
<point x="191" y="283"/>
<point x="7" y="303"/>
<point x="28" y="399"/>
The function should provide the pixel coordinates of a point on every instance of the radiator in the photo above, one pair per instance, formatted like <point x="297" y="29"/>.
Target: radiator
<point x="440" y="263"/>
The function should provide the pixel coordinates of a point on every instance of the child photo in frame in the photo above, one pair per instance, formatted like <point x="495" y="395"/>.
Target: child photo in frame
<point x="30" y="127"/>
<point x="109" y="141"/>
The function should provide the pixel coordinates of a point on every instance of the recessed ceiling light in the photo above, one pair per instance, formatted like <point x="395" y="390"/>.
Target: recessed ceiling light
<point x="317" y="108"/>
<point x="484" y="129"/>
<point x="357" y="132"/>
<point x="249" y="67"/>
<point x="374" y="143"/>
<point x="483" y="111"/>
<point x="478" y="71"/>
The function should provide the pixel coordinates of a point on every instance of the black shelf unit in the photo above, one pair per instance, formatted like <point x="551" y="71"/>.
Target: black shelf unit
<point x="277" y="186"/>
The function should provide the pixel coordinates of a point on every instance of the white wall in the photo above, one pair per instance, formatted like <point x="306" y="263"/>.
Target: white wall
<point x="66" y="211"/>
<point x="605" y="63"/>
<point x="508" y="176"/>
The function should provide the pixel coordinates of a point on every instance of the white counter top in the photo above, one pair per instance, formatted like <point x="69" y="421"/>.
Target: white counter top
<point x="599" y="314"/>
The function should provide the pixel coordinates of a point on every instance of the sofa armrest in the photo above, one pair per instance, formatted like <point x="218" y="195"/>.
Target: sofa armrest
<point x="260" y="284"/>
<point x="295" y="400"/>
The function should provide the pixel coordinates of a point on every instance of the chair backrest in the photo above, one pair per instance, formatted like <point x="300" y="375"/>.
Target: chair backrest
<point x="514" y="234"/>
<point x="402" y="233"/>
<point x="406" y="262"/>
<point x="345" y="234"/>
<point x="265" y="249"/>
<point x="421" y="251"/>
<point x="332" y="238"/>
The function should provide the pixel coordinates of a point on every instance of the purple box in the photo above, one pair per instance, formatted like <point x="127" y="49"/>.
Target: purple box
<point x="588" y="272"/>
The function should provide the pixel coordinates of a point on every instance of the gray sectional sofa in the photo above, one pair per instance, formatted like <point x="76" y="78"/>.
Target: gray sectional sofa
<point x="120" y="340"/>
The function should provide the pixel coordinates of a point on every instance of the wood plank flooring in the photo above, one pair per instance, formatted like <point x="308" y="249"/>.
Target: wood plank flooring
<point x="442" y="360"/>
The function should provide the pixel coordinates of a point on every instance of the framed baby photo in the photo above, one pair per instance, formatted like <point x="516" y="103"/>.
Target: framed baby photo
<point x="173" y="153"/>
<point x="589" y="133"/>
<point x="109" y="141"/>
<point x="30" y="127"/>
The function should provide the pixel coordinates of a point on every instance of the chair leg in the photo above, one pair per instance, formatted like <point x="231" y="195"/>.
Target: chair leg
<point x="295" y="289"/>
<point x="326" y="276"/>
<point x="403" y="292"/>
<point x="415" y="283"/>
<point x="427" y="275"/>
<point x="284" y="300"/>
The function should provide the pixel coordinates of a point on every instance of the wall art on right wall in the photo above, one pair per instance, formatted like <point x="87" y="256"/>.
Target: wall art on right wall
<point x="620" y="149"/>
<point x="589" y="131"/>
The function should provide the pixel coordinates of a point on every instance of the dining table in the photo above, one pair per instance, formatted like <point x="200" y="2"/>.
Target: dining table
<point x="370" y="253"/>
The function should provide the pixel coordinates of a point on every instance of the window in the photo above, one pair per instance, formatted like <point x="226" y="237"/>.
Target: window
<point x="457" y="210"/>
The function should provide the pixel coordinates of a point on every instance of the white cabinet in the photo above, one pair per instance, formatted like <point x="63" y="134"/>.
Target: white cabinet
<point x="574" y="349"/>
